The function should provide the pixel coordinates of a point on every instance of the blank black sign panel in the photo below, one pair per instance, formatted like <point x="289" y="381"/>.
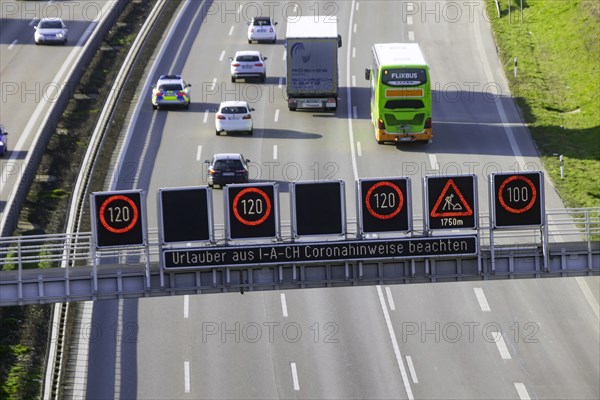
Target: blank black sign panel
<point x="319" y="208"/>
<point x="185" y="215"/>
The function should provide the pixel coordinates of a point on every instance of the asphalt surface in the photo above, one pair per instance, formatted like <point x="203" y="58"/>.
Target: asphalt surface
<point x="32" y="77"/>
<point x="503" y="339"/>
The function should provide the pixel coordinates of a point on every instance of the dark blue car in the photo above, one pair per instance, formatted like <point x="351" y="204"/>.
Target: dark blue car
<point x="3" y="141"/>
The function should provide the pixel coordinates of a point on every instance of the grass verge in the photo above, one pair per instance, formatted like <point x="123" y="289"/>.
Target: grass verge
<point x="557" y="88"/>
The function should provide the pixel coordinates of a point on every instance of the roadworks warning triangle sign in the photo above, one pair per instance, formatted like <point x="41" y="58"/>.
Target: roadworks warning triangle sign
<point x="451" y="203"/>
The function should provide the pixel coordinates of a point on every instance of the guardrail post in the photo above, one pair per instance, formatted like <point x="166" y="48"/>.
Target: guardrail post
<point x="20" y="271"/>
<point x="588" y="231"/>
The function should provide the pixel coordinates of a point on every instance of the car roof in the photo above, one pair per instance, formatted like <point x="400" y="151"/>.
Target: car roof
<point x="45" y="19"/>
<point x="228" y="156"/>
<point x="247" y="53"/>
<point x="232" y="103"/>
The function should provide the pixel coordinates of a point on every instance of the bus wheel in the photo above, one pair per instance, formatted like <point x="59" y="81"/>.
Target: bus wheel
<point x="380" y="141"/>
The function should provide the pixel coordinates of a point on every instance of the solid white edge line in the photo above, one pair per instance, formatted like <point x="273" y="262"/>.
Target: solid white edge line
<point x="589" y="296"/>
<point x="388" y="293"/>
<point x="284" y="305"/>
<point x="522" y="391"/>
<point x="274" y="152"/>
<point x="411" y="369"/>
<point x="392" y="334"/>
<point x="358" y="149"/>
<point x="295" y="376"/>
<point x="501" y="344"/>
<point x="199" y="153"/>
<point x="186" y="306"/>
<point x="349" y="97"/>
<point x="186" y="376"/>
<point x="205" y="116"/>
<point x="276" y="115"/>
<point x="483" y="303"/>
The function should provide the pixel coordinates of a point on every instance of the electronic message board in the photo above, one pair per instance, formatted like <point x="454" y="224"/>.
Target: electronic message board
<point x="185" y="214"/>
<point x="451" y="202"/>
<point x="384" y="205"/>
<point x="517" y="199"/>
<point x="118" y="218"/>
<point x="318" y="208"/>
<point x="252" y="211"/>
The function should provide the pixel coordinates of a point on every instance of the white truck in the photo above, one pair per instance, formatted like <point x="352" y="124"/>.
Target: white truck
<point x="312" y="44"/>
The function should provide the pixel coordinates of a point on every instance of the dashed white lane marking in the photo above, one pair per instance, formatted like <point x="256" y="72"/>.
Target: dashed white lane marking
<point x="354" y="29"/>
<point x="186" y="298"/>
<point x="589" y="296"/>
<point x="354" y="112"/>
<point x="284" y="305"/>
<point x="522" y="391"/>
<point x="357" y="6"/>
<point x="433" y="161"/>
<point x="411" y="369"/>
<point x="392" y="334"/>
<point x="280" y="84"/>
<point x="222" y="55"/>
<point x="12" y="44"/>
<point x="276" y="115"/>
<point x="283" y="57"/>
<point x="213" y="84"/>
<point x="231" y="30"/>
<point x="353" y="80"/>
<point x="274" y="152"/>
<point x="199" y="153"/>
<point x="483" y="303"/>
<point x="388" y="293"/>
<point x="409" y="20"/>
<point x="410" y="7"/>
<point x="186" y="376"/>
<point x="295" y="376"/>
<point x="32" y="22"/>
<point x="501" y="344"/>
<point x="358" y="149"/>
<point x="205" y="116"/>
<point x="411" y="36"/>
<point x="295" y="7"/>
<point x="354" y="52"/>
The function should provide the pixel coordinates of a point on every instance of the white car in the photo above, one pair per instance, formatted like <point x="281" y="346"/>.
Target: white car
<point x="234" y="116"/>
<point x="50" y="30"/>
<point x="248" y="64"/>
<point x="262" y="29"/>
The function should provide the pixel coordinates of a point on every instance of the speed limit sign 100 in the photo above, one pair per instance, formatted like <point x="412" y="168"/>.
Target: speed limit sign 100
<point x="518" y="199"/>
<point x="118" y="218"/>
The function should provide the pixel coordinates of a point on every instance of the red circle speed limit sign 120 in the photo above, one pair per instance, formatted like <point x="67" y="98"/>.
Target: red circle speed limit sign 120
<point x="517" y="199"/>
<point x="118" y="218"/>
<point x="384" y="205"/>
<point x="252" y="211"/>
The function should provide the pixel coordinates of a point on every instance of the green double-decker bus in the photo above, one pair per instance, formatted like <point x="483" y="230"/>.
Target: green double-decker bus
<point x="400" y="93"/>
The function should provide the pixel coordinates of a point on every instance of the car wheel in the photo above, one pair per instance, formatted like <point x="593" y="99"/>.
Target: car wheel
<point x="218" y="133"/>
<point x="251" y="131"/>
<point x="187" y="106"/>
<point x="274" y="41"/>
<point x="249" y="41"/>
<point x="263" y="78"/>
<point x="292" y="108"/>
<point x="232" y="79"/>
<point x="380" y="141"/>
<point x="154" y="107"/>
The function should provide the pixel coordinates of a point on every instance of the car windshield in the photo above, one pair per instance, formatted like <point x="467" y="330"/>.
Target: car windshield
<point x="170" y="87"/>
<point x="50" y="25"/>
<point x="261" y="22"/>
<point x="234" y="110"/>
<point x="247" y="58"/>
<point x="228" y="165"/>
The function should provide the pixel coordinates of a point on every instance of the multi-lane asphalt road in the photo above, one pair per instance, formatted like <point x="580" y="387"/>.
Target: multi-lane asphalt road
<point x="32" y="77"/>
<point x="503" y="339"/>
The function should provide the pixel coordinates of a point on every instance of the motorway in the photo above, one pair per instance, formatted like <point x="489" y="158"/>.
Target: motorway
<point x="504" y="339"/>
<point x="32" y="77"/>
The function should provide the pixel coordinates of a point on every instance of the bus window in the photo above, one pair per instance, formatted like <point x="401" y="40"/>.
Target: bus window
<point x="396" y="104"/>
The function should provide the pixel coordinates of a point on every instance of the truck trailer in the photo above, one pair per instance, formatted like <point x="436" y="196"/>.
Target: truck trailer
<point x="312" y="44"/>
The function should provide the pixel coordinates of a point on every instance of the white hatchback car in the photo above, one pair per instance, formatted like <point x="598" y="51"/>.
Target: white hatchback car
<point x="262" y="29"/>
<point x="234" y="116"/>
<point x="248" y="64"/>
<point x="50" y="30"/>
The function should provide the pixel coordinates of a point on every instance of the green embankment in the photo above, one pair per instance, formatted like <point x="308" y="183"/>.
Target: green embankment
<point x="557" y="43"/>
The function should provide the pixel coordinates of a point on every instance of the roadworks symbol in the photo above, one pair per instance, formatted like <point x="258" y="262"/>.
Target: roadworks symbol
<point x="452" y="204"/>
